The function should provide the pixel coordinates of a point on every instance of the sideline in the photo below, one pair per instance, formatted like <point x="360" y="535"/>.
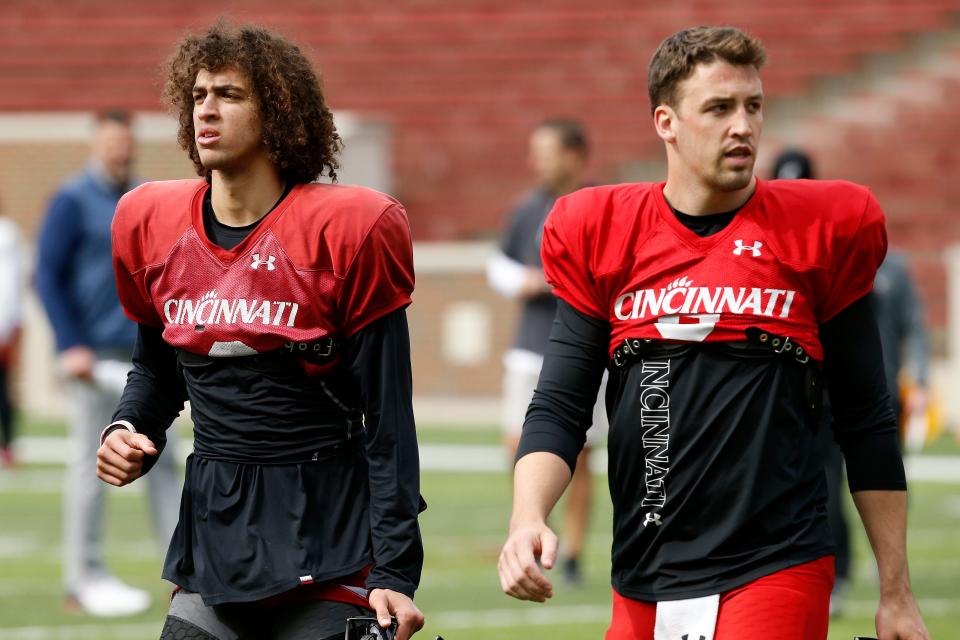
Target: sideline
<point x="462" y="458"/>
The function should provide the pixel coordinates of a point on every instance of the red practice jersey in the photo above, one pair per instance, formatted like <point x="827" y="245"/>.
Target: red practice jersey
<point x="796" y="254"/>
<point x="326" y="262"/>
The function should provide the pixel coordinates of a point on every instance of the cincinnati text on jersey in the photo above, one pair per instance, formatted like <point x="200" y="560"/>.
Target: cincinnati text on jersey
<point x="210" y="309"/>
<point x="679" y="297"/>
<point x="655" y="424"/>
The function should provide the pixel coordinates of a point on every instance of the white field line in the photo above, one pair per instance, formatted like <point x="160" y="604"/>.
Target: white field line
<point x="83" y="632"/>
<point x="480" y="458"/>
<point x="533" y="615"/>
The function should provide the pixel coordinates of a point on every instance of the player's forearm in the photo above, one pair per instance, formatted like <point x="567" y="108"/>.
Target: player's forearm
<point x="884" y="515"/>
<point x="378" y="357"/>
<point x="153" y="395"/>
<point x="539" y="479"/>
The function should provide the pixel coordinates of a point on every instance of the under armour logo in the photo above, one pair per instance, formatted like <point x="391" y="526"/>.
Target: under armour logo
<point x="652" y="517"/>
<point x="754" y="249"/>
<point x="257" y="262"/>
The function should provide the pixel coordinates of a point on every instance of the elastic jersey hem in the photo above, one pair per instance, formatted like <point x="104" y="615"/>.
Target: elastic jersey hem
<point x="211" y="599"/>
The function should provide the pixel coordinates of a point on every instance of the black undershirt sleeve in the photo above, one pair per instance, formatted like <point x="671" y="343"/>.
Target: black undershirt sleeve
<point x="864" y="424"/>
<point x="378" y="361"/>
<point x="562" y="407"/>
<point x="155" y="393"/>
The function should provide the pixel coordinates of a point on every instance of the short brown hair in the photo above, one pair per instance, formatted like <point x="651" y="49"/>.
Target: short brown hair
<point x="678" y="55"/>
<point x="298" y="129"/>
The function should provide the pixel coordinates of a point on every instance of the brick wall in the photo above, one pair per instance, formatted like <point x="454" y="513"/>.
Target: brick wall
<point x="460" y="83"/>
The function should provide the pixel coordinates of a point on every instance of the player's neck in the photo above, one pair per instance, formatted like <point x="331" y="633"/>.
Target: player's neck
<point x="240" y="199"/>
<point x="697" y="199"/>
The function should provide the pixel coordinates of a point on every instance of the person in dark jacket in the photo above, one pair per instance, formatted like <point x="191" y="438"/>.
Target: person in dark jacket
<point x="94" y="342"/>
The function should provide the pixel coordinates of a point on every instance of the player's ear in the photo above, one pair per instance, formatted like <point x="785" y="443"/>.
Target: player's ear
<point x="665" y="120"/>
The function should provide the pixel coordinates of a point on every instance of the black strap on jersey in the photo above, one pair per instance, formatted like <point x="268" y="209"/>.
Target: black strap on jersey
<point x="316" y="352"/>
<point x="764" y="339"/>
<point x="785" y="347"/>
<point x="633" y="350"/>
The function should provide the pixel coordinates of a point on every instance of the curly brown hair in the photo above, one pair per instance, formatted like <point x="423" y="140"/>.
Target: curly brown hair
<point x="678" y="55"/>
<point x="298" y="129"/>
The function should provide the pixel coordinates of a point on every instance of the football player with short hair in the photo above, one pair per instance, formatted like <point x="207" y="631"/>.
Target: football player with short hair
<point x="276" y="306"/>
<point x="723" y="304"/>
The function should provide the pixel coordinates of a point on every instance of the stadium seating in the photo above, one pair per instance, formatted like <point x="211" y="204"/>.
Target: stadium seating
<point x="907" y="152"/>
<point x="461" y="83"/>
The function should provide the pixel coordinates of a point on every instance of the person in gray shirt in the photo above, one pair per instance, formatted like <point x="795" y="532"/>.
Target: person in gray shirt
<point x="558" y="155"/>
<point x="903" y="335"/>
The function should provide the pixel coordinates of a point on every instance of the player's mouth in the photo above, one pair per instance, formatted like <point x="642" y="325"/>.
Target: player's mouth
<point x="207" y="137"/>
<point x="741" y="155"/>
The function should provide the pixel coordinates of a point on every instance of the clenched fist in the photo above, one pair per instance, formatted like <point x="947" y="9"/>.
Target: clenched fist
<point x="120" y="457"/>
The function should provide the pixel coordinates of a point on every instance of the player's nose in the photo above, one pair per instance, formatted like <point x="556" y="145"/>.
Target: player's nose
<point x="742" y="124"/>
<point x="207" y="108"/>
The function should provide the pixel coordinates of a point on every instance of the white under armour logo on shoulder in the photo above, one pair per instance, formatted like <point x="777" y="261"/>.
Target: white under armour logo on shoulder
<point x="257" y="261"/>
<point x="754" y="249"/>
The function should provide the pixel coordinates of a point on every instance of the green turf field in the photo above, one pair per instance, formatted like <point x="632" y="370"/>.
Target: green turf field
<point x="463" y="529"/>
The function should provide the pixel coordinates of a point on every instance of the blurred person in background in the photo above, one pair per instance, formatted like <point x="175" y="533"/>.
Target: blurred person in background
<point x="558" y="154"/>
<point x="277" y="305"/>
<point x="899" y="315"/>
<point x="94" y="339"/>
<point x="906" y="346"/>
<point x="721" y="303"/>
<point x="11" y="310"/>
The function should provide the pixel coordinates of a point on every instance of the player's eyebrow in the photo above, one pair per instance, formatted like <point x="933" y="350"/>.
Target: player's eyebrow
<point x="723" y="99"/>
<point x="219" y="88"/>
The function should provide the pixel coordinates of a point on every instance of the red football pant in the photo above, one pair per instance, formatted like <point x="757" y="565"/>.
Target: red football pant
<point x="791" y="604"/>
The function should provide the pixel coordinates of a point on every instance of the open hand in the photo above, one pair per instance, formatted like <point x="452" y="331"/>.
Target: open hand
<point x="521" y="575"/>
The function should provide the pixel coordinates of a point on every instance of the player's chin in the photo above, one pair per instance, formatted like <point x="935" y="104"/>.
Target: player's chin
<point x="734" y="180"/>
<point x="212" y="160"/>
